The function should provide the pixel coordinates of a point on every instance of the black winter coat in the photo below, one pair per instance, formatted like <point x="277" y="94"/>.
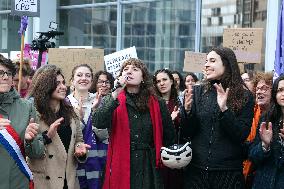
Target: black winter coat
<point x="217" y="137"/>
<point x="269" y="165"/>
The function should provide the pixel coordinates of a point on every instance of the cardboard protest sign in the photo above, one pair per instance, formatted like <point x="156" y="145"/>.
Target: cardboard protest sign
<point x="67" y="59"/>
<point x="194" y="62"/>
<point x="114" y="61"/>
<point x="25" y="8"/>
<point x="245" y="42"/>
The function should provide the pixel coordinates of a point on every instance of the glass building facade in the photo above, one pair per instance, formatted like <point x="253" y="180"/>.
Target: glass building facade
<point x="161" y="30"/>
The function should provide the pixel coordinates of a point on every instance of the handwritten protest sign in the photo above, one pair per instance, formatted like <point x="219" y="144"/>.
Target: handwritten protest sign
<point x="30" y="54"/>
<point x="245" y="42"/>
<point x="25" y="8"/>
<point x="67" y="59"/>
<point x="114" y="61"/>
<point x="5" y="55"/>
<point x="194" y="62"/>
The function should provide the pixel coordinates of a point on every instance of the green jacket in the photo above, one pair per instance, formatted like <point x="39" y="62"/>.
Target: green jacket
<point x="143" y="172"/>
<point x="19" y="112"/>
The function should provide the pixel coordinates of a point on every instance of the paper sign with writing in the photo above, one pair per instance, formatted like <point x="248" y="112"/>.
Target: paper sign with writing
<point x="30" y="54"/>
<point x="5" y="55"/>
<point x="245" y="42"/>
<point x="67" y="59"/>
<point x="114" y="61"/>
<point x="25" y="8"/>
<point x="194" y="62"/>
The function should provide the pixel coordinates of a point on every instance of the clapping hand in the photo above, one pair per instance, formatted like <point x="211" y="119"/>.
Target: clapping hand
<point x="53" y="128"/>
<point x="80" y="108"/>
<point x="188" y="99"/>
<point x="265" y="133"/>
<point x="81" y="149"/>
<point x="97" y="101"/>
<point x="31" y="130"/>
<point x="175" y="113"/>
<point x="222" y="96"/>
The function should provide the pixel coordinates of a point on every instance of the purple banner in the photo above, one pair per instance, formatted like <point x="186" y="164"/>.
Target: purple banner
<point x="278" y="64"/>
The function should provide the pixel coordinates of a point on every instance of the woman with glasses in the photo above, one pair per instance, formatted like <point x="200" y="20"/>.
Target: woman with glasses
<point x="220" y="113"/>
<point x="15" y="115"/>
<point x="89" y="173"/>
<point x="262" y="83"/>
<point x="140" y="124"/>
<point x="103" y="82"/>
<point x="267" y="151"/>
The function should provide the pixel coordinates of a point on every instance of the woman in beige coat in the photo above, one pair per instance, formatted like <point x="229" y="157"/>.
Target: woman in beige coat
<point x="53" y="145"/>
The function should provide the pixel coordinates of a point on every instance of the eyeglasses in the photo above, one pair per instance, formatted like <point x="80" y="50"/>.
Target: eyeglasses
<point x="106" y="82"/>
<point x="8" y="73"/>
<point x="246" y="79"/>
<point x="263" y="88"/>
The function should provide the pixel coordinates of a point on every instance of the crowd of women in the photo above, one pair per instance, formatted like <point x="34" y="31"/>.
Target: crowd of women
<point x="107" y="133"/>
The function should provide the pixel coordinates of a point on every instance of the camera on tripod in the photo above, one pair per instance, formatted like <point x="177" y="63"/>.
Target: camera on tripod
<point x="42" y="43"/>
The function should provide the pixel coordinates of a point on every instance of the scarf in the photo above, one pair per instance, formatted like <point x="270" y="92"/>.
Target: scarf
<point x="12" y="142"/>
<point x="118" y="157"/>
<point x="8" y="98"/>
<point x="248" y="164"/>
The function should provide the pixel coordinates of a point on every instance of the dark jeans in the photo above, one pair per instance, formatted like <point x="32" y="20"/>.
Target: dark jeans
<point x="196" y="178"/>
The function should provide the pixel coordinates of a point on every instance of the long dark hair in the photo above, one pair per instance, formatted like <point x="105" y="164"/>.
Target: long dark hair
<point x="146" y="86"/>
<point x="231" y="79"/>
<point x="174" y="93"/>
<point x="274" y="114"/>
<point x="181" y="80"/>
<point x="44" y="86"/>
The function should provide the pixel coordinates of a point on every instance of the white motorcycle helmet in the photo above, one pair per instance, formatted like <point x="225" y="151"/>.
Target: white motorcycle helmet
<point x="176" y="156"/>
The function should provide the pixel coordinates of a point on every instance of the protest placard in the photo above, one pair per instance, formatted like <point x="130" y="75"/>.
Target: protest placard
<point x="67" y="59"/>
<point x="245" y="42"/>
<point x="25" y="8"/>
<point x="5" y="55"/>
<point x="114" y="61"/>
<point x="30" y="54"/>
<point x="194" y="61"/>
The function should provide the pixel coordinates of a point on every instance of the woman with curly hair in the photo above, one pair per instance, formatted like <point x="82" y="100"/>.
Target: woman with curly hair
<point x="220" y="113"/>
<point x="140" y="124"/>
<point x="103" y="82"/>
<point x="267" y="150"/>
<point x="53" y="145"/>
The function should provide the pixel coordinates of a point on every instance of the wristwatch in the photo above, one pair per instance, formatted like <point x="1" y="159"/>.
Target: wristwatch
<point x="46" y="139"/>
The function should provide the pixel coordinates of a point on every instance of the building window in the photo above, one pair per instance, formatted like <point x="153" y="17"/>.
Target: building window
<point x="209" y="22"/>
<point x="216" y="11"/>
<point x="220" y="21"/>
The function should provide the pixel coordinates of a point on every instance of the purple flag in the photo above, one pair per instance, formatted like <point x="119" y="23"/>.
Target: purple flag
<point x="24" y="24"/>
<point x="279" y="53"/>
